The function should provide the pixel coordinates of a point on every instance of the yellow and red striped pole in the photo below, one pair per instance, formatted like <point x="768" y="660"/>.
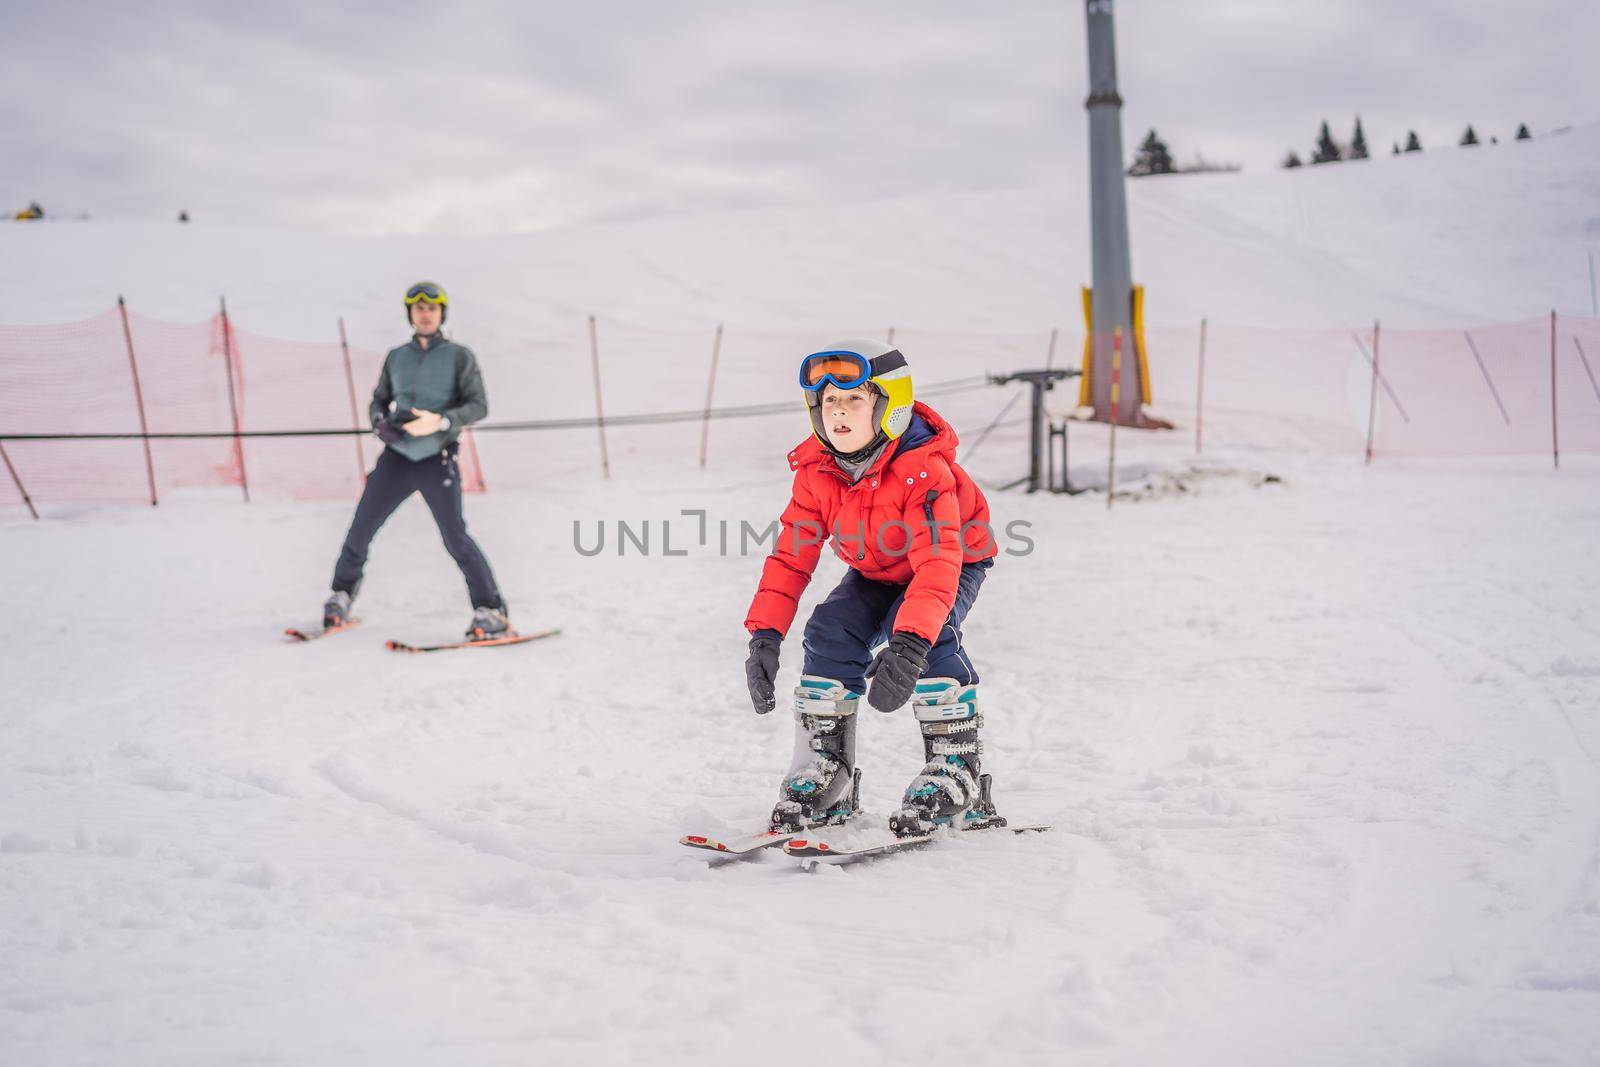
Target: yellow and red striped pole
<point x="1116" y="410"/>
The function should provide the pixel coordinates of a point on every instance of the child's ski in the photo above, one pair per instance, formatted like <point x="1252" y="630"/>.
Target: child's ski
<point x="822" y="852"/>
<point x="739" y="847"/>
<point x="490" y="642"/>
<point x="329" y="631"/>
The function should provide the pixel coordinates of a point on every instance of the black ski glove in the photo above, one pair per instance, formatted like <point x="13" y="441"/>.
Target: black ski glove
<point x="761" y="669"/>
<point x="895" y="670"/>
<point x="388" y="432"/>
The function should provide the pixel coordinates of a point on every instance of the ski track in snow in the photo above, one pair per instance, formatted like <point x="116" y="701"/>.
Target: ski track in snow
<point x="1320" y="757"/>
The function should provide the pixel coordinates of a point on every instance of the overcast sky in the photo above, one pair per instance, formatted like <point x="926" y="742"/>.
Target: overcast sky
<point x="480" y="117"/>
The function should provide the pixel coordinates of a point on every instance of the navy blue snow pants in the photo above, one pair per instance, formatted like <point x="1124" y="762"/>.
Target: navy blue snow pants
<point x="438" y="479"/>
<point x="856" y="617"/>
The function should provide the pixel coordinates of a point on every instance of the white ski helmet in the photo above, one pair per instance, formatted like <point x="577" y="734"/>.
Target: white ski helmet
<point x="882" y="366"/>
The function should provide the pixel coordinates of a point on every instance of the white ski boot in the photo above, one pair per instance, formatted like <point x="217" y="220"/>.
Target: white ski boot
<point x="951" y="789"/>
<point x="823" y="785"/>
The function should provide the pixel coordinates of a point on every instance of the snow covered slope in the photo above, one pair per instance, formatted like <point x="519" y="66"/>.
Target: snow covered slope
<point x="1445" y="238"/>
<point x="1342" y="805"/>
<point x="1322" y="749"/>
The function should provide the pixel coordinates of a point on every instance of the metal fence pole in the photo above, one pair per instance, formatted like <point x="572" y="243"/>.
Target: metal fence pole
<point x="711" y="385"/>
<point x="355" y="417"/>
<point x="1200" y="390"/>
<point x="1593" y="384"/>
<point x="1555" y="441"/>
<point x="26" y="499"/>
<point x="1485" y="369"/>
<point x="1372" y="404"/>
<point x="233" y="402"/>
<point x="599" y="406"/>
<point x="138" y="399"/>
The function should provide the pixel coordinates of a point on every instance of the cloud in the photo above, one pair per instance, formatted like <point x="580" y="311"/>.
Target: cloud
<point x="494" y="115"/>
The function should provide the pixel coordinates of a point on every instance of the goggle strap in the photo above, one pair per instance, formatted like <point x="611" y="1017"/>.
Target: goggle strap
<point x="890" y="360"/>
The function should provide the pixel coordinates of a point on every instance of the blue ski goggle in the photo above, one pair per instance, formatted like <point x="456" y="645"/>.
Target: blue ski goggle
<point x="846" y="370"/>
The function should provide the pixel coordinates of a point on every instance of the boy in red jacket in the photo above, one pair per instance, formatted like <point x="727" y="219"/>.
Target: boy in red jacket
<point x="877" y="477"/>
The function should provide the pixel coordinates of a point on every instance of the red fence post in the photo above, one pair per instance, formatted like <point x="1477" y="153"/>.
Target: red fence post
<point x="233" y="403"/>
<point x="355" y="417"/>
<point x="1200" y="390"/>
<point x="26" y="499"/>
<point x="599" y="407"/>
<point x="138" y="399"/>
<point x="1555" y="442"/>
<point x="711" y="385"/>
<point x="1372" y="405"/>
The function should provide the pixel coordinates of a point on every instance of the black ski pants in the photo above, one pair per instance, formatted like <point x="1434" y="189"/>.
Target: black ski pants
<point x="438" y="479"/>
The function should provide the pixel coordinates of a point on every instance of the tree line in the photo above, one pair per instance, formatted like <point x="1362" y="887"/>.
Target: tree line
<point x="1330" y="151"/>
<point x="1154" y="157"/>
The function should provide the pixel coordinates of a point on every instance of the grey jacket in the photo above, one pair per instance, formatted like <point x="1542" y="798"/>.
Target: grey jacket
<point x="443" y="378"/>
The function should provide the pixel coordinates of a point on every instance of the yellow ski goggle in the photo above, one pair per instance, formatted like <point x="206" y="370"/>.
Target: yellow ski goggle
<point x="426" y="291"/>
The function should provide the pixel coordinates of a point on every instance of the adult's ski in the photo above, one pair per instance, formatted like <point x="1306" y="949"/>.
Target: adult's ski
<point x="327" y="631"/>
<point x="488" y="642"/>
<point x="821" y="851"/>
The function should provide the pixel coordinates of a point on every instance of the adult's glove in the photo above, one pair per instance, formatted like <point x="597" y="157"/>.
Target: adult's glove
<point x="895" y="670"/>
<point x="388" y="432"/>
<point x="761" y="669"/>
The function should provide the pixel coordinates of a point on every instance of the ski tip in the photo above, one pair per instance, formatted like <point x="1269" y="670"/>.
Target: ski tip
<point x="294" y="633"/>
<point x="800" y="844"/>
<point x="697" y="841"/>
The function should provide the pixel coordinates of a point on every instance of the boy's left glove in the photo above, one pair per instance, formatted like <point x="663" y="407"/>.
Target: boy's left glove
<point x="896" y="669"/>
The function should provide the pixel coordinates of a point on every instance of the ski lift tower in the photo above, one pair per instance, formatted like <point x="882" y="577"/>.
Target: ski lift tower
<point x="1111" y="303"/>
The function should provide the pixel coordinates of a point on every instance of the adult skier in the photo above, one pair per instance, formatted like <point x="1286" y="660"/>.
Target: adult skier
<point x="430" y="389"/>
<point x="877" y="477"/>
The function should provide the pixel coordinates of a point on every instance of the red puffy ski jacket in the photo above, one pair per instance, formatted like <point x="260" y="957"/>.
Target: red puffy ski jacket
<point x="912" y="518"/>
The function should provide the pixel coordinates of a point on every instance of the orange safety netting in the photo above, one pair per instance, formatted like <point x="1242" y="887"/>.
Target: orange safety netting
<point x="93" y="377"/>
<point x="1491" y="389"/>
<point x="1482" y="391"/>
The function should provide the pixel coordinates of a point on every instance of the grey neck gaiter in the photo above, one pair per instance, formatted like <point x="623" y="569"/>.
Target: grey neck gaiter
<point x="855" y="468"/>
<point x="857" y="463"/>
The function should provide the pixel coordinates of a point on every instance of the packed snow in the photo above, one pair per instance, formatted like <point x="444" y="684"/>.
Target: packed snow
<point x="1320" y="743"/>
